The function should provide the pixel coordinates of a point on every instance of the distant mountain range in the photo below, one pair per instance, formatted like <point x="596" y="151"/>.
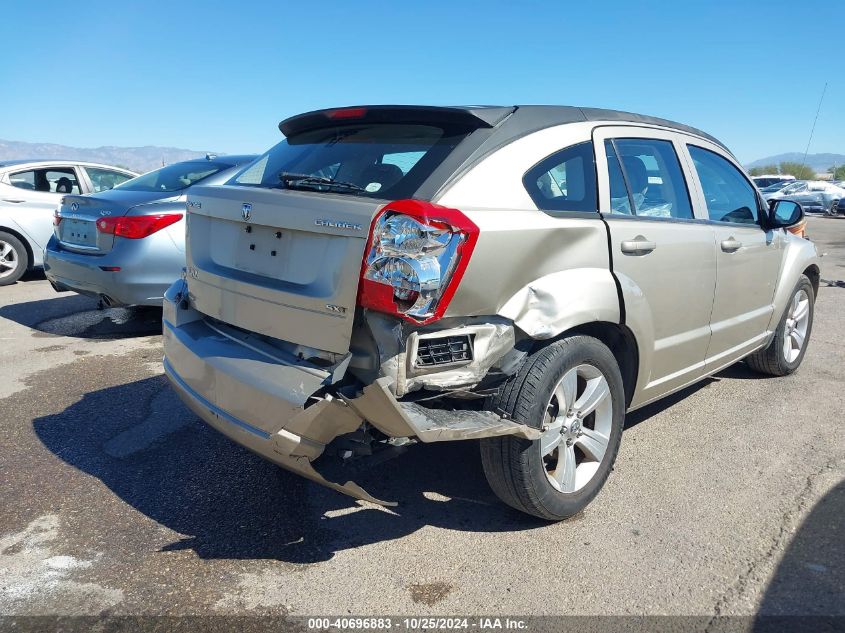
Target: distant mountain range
<point x="820" y="163"/>
<point x="143" y="159"/>
<point x="140" y="159"/>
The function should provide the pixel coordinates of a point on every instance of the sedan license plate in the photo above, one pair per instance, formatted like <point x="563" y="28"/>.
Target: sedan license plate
<point x="79" y="232"/>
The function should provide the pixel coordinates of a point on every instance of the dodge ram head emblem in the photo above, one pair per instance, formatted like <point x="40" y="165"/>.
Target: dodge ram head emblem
<point x="246" y="211"/>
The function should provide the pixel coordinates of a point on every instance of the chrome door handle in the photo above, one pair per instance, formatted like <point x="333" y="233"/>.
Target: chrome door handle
<point x="638" y="246"/>
<point x="731" y="245"/>
<point x="13" y="201"/>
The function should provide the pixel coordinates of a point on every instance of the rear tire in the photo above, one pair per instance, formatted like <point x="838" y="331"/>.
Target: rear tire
<point x="14" y="260"/>
<point x="573" y="388"/>
<point x="786" y="351"/>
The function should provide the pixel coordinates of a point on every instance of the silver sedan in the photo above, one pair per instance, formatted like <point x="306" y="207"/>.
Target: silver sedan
<point x="127" y="245"/>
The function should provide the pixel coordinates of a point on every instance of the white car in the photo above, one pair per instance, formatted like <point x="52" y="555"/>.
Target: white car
<point x="767" y="180"/>
<point x="30" y="191"/>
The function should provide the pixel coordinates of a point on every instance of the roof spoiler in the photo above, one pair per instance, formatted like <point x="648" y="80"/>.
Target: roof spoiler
<point x="471" y="117"/>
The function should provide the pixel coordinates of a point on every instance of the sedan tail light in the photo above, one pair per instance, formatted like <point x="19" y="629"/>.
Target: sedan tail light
<point x="137" y="226"/>
<point x="416" y="254"/>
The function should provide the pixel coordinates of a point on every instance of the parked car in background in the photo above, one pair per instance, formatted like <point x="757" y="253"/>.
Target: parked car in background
<point x="30" y="191"/>
<point x="125" y="246"/>
<point x="814" y="196"/>
<point x="522" y="276"/>
<point x="770" y="179"/>
<point x="774" y="188"/>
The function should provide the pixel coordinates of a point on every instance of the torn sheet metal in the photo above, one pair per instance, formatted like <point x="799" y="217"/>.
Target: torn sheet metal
<point x="441" y="425"/>
<point x="557" y="302"/>
<point x="408" y="419"/>
<point x="490" y="342"/>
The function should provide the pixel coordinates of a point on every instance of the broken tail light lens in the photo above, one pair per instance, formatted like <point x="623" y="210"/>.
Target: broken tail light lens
<point x="136" y="227"/>
<point x="416" y="255"/>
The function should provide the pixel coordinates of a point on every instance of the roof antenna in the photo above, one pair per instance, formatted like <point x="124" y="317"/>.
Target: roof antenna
<point x="804" y="162"/>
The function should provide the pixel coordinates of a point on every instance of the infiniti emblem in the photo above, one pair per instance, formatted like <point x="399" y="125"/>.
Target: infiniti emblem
<point x="246" y="211"/>
<point x="74" y="206"/>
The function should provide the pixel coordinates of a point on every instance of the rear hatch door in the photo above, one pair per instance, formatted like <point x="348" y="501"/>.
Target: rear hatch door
<point x="286" y="268"/>
<point x="278" y="250"/>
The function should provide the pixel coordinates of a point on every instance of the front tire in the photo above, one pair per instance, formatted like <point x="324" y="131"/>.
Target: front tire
<point x="786" y="351"/>
<point x="14" y="260"/>
<point x="573" y="390"/>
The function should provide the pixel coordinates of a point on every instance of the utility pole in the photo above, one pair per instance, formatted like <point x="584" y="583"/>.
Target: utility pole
<point x="813" y="129"/>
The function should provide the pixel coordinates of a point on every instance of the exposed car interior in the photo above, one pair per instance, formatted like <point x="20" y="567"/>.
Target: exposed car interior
<point x="49" y="180"/>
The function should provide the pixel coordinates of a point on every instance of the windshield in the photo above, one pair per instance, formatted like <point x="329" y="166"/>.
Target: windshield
<point x="776" y="187"/>
<point x="794" y="187"/>
<point x="173" y="177"/>
<point x="372" y="159"/>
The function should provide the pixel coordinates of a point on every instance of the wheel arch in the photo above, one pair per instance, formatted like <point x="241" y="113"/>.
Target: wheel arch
<point x="814" y="275"/>
<point x="30" y="255"/>
<point x="800" y="258"/>
<point x="618" y="338"/>
<point x="623" y="344"/>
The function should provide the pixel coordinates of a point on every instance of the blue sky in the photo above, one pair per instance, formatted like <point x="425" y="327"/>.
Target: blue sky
<point x="220" y="75"/>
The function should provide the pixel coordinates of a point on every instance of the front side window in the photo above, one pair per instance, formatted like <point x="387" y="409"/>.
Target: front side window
<point x="105" y="179"/>
<point x="653" y="177"/>
<point x="56" y="180"/>
<point x="729" y="196"/>
<point x="565" y="181"/>
<point x="174" y="177"/>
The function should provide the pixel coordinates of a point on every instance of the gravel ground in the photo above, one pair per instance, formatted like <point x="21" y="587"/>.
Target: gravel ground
<point x="727" y="498"/>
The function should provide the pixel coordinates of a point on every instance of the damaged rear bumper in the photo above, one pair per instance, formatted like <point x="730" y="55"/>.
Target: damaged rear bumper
<point x="284" y="409"/>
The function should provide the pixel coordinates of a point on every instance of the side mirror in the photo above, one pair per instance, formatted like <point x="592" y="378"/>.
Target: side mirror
<point x="784" y="213"/>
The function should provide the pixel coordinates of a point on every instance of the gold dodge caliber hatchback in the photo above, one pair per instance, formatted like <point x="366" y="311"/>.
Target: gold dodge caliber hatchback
<point x="522" y="276"/>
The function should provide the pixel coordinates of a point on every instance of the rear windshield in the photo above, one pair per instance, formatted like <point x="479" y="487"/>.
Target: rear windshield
<point x="377" y="160"/>
<point x="173" y="177"/>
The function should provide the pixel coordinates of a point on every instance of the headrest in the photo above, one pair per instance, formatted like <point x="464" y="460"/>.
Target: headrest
<point x="636" y="172"/>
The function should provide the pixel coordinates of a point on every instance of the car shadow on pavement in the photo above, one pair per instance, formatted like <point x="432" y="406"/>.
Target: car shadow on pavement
<point x="650" y="410"/>
<point x="35" y="274"/>
<point x="810" y="579"/>
<point x="160" y="459"/>
<point x="741" y="371"/>
<point x="77" y="316"/>
<point x="157" y="457"/>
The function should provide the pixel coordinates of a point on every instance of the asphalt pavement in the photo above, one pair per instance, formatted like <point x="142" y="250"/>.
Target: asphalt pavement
<point x="727" y="498"/>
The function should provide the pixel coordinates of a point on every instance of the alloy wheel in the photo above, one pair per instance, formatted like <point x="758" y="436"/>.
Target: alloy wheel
<point x="8" y="259"/>
<point x="797" y="322"/>
<point x="576" y="429"/>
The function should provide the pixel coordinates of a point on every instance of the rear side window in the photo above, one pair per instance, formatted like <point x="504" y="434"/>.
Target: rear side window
<point x="378" y="160"/>
<point x="653" y="177"/>
<point x="565" y="181"/>
<point x="56" y="180"/>
<point x="729" y="196"/>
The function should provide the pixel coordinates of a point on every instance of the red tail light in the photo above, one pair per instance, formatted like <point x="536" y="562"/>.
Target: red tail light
<point x="416" y="254"/>
<point x="137" y="226"/>
<point x="57" y="218"/>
